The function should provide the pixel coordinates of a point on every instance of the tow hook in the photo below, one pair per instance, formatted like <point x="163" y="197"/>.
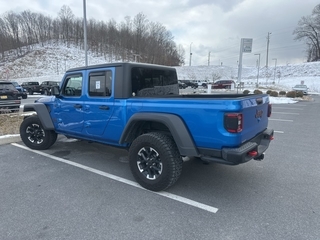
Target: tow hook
<point x="259" y="158"/>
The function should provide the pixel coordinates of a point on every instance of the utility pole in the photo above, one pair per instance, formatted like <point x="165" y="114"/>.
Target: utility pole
<point x="257" y="85"/>
<point x="268" y="40"/>
<point x="190" y="54"/>
<point x="275" y="67"/>
<point x="209" y="58"/>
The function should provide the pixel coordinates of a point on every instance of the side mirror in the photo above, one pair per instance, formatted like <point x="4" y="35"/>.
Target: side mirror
<point x="55" y="91"/>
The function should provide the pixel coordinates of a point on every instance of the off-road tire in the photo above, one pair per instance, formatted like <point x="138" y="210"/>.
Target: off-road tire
<point x="155" y="161"/>
<point x="34" y="136"/>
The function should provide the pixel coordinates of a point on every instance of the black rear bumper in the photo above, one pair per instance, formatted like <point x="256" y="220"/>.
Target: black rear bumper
<point x="241" y="154"/>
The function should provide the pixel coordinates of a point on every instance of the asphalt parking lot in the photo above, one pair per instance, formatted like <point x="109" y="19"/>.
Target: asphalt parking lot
<point x="81" y="190"/>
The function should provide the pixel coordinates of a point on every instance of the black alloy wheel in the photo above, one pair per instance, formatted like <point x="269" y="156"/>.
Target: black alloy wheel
<point x="35" y="136"/>
<point x="155" y="161"/>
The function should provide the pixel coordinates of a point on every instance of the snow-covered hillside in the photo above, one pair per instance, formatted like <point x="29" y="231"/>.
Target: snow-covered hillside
<point x="49" y="63"/>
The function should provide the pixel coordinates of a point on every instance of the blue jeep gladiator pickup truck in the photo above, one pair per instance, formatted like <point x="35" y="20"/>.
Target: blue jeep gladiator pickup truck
<point x="138" y="107"/>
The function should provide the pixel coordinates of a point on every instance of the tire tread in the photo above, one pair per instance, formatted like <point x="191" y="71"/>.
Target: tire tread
<point x="168" y="145"/>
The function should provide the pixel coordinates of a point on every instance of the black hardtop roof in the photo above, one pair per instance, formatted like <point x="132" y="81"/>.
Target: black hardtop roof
<point x="31" y="82"/>
<point x="119" y="64"/>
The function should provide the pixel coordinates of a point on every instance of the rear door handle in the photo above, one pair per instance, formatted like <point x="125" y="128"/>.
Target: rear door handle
<point x="77" y="106"/>
<point x="104" y="107"/>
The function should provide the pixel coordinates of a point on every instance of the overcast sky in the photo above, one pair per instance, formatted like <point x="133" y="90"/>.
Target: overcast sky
<point x="204" y="26"/>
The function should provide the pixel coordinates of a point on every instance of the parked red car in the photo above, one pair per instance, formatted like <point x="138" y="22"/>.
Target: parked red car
<point x="223" y="84"/>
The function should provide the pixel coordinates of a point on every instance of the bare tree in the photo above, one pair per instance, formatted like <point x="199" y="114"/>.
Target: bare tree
<point x="66" y="19"/>
<point x="140" y="31"/>
<point x="5" y="38"/>
<point x="308" y="29"/>
<point x="12" y="22"/>
<point x="131" y="40"/>
<point x="29" y="26"/>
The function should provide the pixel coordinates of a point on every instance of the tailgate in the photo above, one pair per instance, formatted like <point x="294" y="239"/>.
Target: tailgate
<point x="255" y="116"/>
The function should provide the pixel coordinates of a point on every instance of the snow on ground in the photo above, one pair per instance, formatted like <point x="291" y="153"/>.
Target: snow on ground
<point x="50" y="63"/>
<point x="9" y="136"/>
<point x="281" y="100"/>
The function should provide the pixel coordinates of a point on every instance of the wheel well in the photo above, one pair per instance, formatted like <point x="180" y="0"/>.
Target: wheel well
<point x="42" y="112"/>
<point x="141" y="127"/>
<point x="171" y="124"/>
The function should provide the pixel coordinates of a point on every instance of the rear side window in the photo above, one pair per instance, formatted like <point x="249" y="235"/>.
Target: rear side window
<point x="149" y="82"/>
<point x="100" y="84"/>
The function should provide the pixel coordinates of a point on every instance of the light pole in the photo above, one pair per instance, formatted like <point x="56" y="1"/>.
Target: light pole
<point x="209" y="58"/>
<point x="275" y="67"/>
<point x="85" y="32"/>
<point x="258" y="69"/>
<point x="190" y="54"/>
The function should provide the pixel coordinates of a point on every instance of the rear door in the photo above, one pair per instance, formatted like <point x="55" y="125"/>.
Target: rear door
<point x="99" y="101"/>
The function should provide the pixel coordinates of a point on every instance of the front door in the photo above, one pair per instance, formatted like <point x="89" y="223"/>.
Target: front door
<point x="68" y="109"/>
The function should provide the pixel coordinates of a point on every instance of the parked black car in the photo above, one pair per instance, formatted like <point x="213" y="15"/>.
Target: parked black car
<point x="191" y="84"/>
<point x="22" y="92"/>
<point x="182" y="85"/>
<point x="31" y="87"/>
<point x="45" y="87"/>
<point x="9" y="97"/>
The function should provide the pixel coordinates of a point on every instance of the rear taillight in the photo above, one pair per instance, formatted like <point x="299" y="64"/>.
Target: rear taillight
<point x="269" y="110"/>
<point x="233" y="122"/>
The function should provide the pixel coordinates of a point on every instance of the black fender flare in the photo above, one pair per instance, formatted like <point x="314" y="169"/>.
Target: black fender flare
<point x="42" y="113"/>
<point x="175" y="125"/>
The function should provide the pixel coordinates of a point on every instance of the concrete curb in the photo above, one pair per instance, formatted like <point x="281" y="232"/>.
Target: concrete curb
<point x="10" y="139"/>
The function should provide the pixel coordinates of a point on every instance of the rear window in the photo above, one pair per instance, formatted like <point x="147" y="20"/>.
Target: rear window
<point x="31" y="83"/>
<point x="7" y="86"/>
<point x="149" y="82"/>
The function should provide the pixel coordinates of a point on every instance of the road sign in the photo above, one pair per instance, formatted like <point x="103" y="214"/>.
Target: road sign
<point x="246" y="45"/>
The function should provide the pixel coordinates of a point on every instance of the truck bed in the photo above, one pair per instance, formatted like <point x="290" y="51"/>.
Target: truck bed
<point x="204" y="114"/>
